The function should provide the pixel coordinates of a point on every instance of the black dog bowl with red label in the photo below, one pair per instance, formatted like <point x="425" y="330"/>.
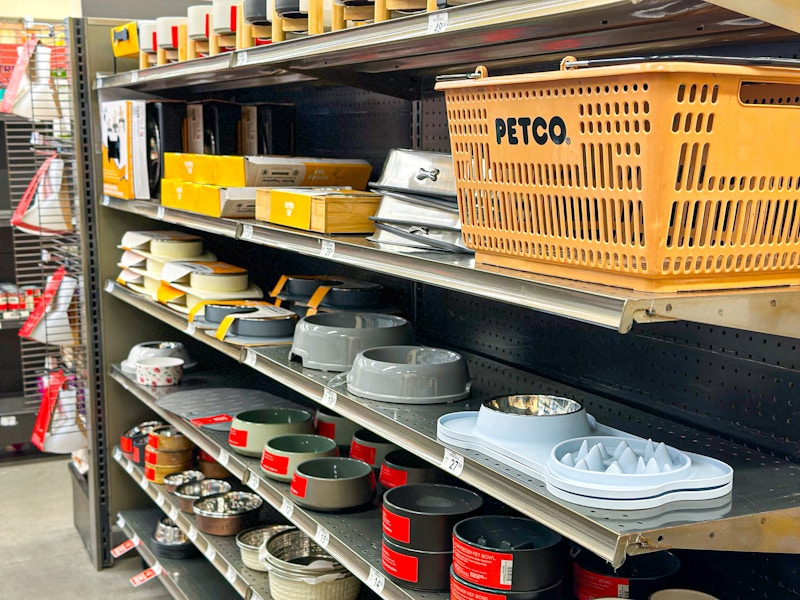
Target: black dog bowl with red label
<point x="638" y="577"/>
<point x="506" y="553"/>
<point x="422" y="516"/>
<point x="417" y="569"/>
<point x="461" y="590"/>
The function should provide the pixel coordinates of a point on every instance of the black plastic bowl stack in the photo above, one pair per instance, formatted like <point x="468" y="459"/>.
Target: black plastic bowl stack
<point x="418" y="522"/>
<point x="515" y="558"/>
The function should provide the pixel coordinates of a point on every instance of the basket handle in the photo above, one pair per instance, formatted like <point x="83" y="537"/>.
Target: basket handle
<point x="570" y="62"/>
<point x="479" y="73"/>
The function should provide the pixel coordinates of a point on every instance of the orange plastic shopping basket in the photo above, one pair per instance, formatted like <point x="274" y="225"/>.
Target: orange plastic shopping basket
<point x="657" y="176"/>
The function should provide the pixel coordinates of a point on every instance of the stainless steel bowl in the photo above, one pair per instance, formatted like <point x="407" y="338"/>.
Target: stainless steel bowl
<point x="250" y="541"/>
<point x="294" y="553"/>
<point x="535" y="405"/>
<point x="177" y="479"/>
<point x="228" y="513"/>
<point x="168" y="533"/>
<point x="190" y="491"/>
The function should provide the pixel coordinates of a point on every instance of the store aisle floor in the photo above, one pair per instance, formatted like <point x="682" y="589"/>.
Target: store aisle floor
<point x="42" y="554"/>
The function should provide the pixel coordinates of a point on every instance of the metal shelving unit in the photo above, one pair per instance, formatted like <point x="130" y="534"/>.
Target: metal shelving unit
<point x="221" y="552"/>
<point x="771" y="310"/>
<point x="185" y="579"/>
<point x="352" y="538"/>
<point x="763" y="493"/>
<point x="505" y="32"/>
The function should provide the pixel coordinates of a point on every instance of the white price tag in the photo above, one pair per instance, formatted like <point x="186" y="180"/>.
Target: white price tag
<point x="287" y="508"/>
<point x="191" y="328"/>
<point x="125" y="547"/>
<point x="250" y="358"/>
<point x="117" y="454"/>
<point x="247" y="232"/>
<point x="210" y="553"/>
<point x="328" y="249"/>
<point x="241" y="60"/>
<point x="146" y="575"/>
<point x="192" y="535"/>
<point x="135" y="77"/>
<point x="144" y="483"/>
<point x="375" y="581"/>
<point x="160" y="212"/>
<point x="323" y="536"/>
<point x="135" y="539"/>
<point x="437" y="22"/>
<point x="129" y="467"/>
<point x="106" y="200"/>
<point x="223" y="458"/>
<point x="160" y="499"/>
<point x="253" y="481"/>
<point x="120" y="521"/>
<point x="230" y="574"/>
<point x="109" y="286"/>
<point x="452" y="462"/>
<point x="329" y="398"/>
<point x="11" y="421"/>
<point x="255" y="595"/>
<point x="174" y="512"/>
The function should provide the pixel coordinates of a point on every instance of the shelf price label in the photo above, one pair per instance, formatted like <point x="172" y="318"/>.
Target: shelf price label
<point x="452" y="462"/>
<point x="376" y="580"/>
<point x="144" y="483"/>
<point x="224" y="458"/>
<point x="210" y="553"/>
<point x="253" y="480"/>
<point x="146" y="575"/>
<point x="109" y="286"/>
<point x="323" y="536"/>
<point x="129" y="467"/>
<point x="329" y="398"/>
<point x="117" y="454"/>
<point x="241" y="59"/>
<point x="231" y="574"/>
<point x="120" y="521"/>
<point x="174" y="511"/>
<point x="328" y="249"/>
<point x="287" y="508"/>
<point x="247" y="232"/>
<point x="106" y="201"/>
<point x="125" y="547"/>
<point x="134" y="76"/>
<point x="160" y="212"/>
<point x="192" y="534"/>
<point x="160" y="499"/>
<point x="250" y="358"/>
<point x="437" y="22"/>
<point x="191" y="328"/>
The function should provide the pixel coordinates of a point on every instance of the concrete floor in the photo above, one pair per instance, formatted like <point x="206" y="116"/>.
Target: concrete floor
<point x="42" y="554"/>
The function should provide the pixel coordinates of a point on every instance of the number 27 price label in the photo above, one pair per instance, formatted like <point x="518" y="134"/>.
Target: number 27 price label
<point x="452" y="462"/>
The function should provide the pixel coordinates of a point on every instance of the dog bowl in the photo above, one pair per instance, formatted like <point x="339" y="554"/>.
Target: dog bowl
<point x="506" y="553"/>
<point x="680" y="594"/>
<point x="641" y="575"/>
<point x="151" y="349"/>
<point x="463" y="590"/>
<point x="251" y="429"/>
<point x="159" y="371"/>
<point x="523" y="417"/>
<point x="142" y="429"/>
<point x="370" y="447"/>
<point x="188" y="492"/>
<point x="197" y="22"/>
<point x="416" y="569"/>
<point x="422" y="516"/>
<point x="167" y="31"/>
<point x="335" y="426"/>
<point x="332" y="483"/>
<point x="331" y="341"/>
<point x="176" y="479"/>
<point x="400" y="467"/>
<point x="299" y="569"/>
<point x="170" y="542"/>
<point x="284" y="453"/>
<point x="255" y="12"/>
<point x="409" y="375"/>
<point x="227" y="513"/>
<point x="250" y="540"/>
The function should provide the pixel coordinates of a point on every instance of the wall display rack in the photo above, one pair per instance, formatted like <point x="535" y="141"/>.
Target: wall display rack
<point x="358" y="73"/>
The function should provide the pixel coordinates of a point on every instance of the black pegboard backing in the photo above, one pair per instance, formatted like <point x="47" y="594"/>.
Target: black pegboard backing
<point x="435" y="135"/>
<point x="676" y="370"/>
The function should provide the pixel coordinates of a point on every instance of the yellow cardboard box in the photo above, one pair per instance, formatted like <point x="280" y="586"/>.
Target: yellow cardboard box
<point x="319" y="210"/>
<point x="290" y="171"/>
<point x="232" y="202"/>
<point x="179" y="194"/>
<point x="196" y="168"/>
<point x="124" y="149"/>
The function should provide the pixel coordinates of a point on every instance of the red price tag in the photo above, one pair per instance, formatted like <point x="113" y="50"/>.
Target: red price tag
<point x="214" y="420"/>
<point x="124" y="547"/>
<point x="146" y="575"/>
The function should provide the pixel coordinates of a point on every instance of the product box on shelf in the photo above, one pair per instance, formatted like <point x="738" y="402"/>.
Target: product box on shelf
<point x="124" y="149"/>
<point x="212" y="127"/>
<point x="211" y="200"/>
<point x="320" y="210"/>
<point x="188" y="166"/>
<point x="267" y="129"/>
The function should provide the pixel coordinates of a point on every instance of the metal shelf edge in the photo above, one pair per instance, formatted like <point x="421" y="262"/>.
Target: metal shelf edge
<point x="157" y="212"/>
